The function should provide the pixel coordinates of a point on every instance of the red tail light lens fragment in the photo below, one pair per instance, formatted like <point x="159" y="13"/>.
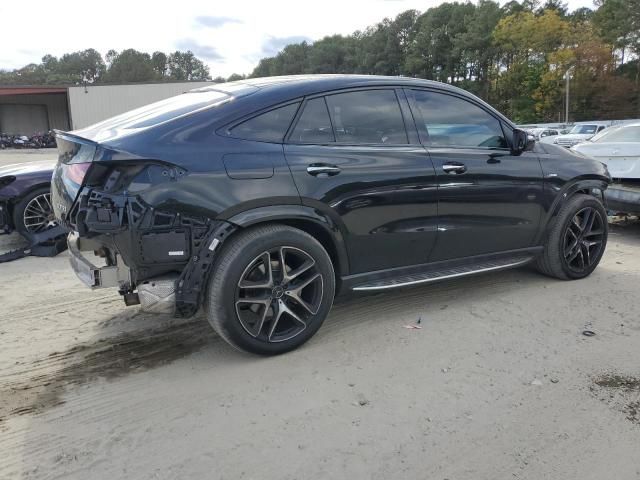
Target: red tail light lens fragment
<point x="77" y="171"/>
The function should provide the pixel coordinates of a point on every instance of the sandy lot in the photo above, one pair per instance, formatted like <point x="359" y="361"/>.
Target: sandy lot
<point x="500" y="382"/>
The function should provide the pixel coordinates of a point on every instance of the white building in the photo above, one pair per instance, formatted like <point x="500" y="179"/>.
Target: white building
<point x="30" y="110"/>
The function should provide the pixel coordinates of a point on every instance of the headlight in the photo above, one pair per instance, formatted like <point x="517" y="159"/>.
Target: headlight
<point x="555" y="140"/>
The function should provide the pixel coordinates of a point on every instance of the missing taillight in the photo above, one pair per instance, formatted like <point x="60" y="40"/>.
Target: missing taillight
<point x="77" y="171"/>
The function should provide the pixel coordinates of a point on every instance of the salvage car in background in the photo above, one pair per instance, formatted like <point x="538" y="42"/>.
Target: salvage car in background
<point x="579" y="133"/>
<point x="263" y="198"/>
<point x="25" y="198"/>
<point x="545" y="135"/>
<point x="619" y="148"/>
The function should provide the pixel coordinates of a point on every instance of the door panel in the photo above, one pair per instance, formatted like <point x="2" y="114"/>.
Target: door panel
<point x="384" y="198"/>
<point x="495" y="205"/>
<point x="489" y="200"/>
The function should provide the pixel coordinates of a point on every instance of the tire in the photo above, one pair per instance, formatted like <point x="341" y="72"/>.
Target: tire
<point x="242" y="305"/>
<point x="38" y="202"/>
<point x="572" y="226"/>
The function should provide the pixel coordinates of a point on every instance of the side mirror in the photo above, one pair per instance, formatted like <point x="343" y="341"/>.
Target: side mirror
<point x="521" y="142"/>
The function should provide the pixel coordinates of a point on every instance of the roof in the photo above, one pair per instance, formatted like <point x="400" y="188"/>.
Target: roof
<point x="306" y="84"/>
<point x="23" y="90"/>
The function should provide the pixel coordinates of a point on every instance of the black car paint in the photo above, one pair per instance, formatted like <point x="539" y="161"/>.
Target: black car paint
<point x="390" y="207"/>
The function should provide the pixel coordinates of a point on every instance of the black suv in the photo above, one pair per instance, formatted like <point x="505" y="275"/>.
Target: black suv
<point x="262" y="199"/>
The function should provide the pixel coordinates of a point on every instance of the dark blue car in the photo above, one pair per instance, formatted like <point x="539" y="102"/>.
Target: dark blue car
<point x="25" y="198"/>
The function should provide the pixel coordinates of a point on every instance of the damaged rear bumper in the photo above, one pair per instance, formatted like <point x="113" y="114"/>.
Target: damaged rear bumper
<point x="160" y="260"/>
<point x="92" y="276"/>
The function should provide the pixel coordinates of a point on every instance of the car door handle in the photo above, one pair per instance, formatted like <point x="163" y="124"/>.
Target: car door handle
<point x="454" y="168"/>
<point x="322" y="168"/>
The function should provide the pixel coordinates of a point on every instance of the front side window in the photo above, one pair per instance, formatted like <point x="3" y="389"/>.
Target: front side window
<point x="313" y="125"/>
<point x="453" y="121"/>
<point x="266" y="127"/>
<point x="367" y="117"/>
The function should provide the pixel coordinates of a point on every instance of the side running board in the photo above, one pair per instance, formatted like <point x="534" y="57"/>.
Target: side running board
<point x="445" y="273"/>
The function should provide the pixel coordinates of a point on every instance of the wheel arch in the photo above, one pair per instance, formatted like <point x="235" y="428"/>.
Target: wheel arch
<point x="587" y="186"/>
<point x="307" y="219"/>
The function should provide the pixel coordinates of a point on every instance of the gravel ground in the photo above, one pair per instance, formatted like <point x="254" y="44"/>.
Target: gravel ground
<point x="499" y="382"/>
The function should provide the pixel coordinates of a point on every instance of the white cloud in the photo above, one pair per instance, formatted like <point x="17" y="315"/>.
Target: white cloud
<point x="229" y="36"/>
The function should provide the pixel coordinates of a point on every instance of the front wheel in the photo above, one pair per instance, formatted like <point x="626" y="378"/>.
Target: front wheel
<point x="577" y="240"/>
<point x="33" y="213"/>
<point x="271" y="289"/>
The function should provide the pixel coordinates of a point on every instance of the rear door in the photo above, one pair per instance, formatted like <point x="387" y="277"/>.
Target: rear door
<point x="356" y="156"/>
<point x="489" y="200"/>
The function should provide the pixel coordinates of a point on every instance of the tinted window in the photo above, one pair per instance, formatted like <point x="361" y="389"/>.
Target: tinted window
<point x="314" y="125"/>
<point x="371" y="116"/>
<point x="267" y="127"/>
<point x="453" y="121"/>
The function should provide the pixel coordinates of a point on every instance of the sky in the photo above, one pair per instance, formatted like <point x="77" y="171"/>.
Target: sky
<point x="230" y="36"/>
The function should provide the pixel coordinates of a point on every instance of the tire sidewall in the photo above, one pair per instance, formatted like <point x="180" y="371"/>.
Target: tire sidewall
<point x="222" y="289"/>
<point x="586" y="201"/>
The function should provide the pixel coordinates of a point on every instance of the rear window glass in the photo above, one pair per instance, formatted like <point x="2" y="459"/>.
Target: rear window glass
<point x="314" y="125"/>
<point x="266" y="127"/>
<point x="164" y="110"/>
<point x="621" y="134"/>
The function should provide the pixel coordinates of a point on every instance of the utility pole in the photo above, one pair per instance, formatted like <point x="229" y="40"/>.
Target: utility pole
<point x="566" y="107"/>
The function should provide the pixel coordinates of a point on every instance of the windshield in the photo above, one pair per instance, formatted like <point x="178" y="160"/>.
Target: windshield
<point x="620" y="134"/>
<point x="584" y="129"/>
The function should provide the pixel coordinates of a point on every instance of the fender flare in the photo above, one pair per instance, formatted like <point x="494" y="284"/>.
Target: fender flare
<point x="595" y="187"/>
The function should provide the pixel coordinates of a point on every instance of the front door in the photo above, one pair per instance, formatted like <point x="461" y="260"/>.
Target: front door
<point x="352" y="157"/>
<point x="489" y="200"/>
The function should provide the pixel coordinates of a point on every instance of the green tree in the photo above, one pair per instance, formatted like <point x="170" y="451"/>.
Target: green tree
<point x="130" y="66"/>
<point x="159" y="63"/>
<point x="184" y="66"/>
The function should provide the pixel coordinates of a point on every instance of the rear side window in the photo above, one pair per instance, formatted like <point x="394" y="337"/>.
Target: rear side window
<point x="266" y="127"/>
<point x="370" y="116"/>
<point x="314" y="125"/>
<point x="453" y="121"/>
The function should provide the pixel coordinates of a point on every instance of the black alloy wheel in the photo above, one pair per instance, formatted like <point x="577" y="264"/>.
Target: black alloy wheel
<point x="271" y="288"/>
<point x="576" y="240"/>
<point x="278" y="293"/>
<point x="583" y="239"/>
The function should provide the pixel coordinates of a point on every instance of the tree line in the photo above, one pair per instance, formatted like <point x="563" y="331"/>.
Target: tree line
<point x="515" y="56"/>
<point x="88" y="66"/>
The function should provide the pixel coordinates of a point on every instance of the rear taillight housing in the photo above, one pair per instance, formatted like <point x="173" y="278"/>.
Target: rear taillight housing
<point x="76" y="172"/>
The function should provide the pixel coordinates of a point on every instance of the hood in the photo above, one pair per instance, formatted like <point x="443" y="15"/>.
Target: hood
<point x="576" y="136"/>
<point x="17" y="169"/>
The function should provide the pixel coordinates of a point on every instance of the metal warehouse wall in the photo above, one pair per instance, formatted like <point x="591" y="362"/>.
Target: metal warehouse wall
<point x="56" y="113"/>
<point x="95" y="103"/>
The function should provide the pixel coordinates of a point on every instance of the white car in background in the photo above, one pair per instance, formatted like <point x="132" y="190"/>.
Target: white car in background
<point x="619" y="148"/>
<point x="545" y="135"/>
<point x="578" y="134"/>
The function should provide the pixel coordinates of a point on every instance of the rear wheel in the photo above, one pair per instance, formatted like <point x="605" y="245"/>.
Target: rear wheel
<point x="577" y="240"/>
<point x="271" y="289"/>
<point x="33" y="213"/>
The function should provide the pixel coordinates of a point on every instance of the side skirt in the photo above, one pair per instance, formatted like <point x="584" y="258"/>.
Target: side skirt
<point x="431" y="272"/>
